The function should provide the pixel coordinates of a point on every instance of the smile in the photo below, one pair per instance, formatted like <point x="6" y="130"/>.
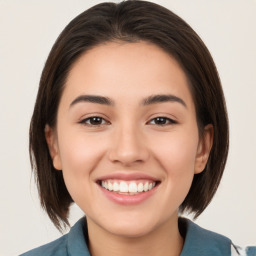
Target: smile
<point x="128" y="187"/>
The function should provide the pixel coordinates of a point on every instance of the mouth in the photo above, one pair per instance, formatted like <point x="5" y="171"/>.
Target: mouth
<point x="128" y="189"/>
<point x="132" y="187"/>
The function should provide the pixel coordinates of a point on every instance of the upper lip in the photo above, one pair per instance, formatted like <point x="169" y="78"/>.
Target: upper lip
<point x="127" y="176"/>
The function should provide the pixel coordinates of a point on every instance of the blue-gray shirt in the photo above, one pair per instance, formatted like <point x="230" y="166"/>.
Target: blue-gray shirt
<point x="198" y="242"/>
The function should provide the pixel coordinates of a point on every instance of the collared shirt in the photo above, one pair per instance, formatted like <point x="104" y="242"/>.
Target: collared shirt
<point x="198" y="242"/>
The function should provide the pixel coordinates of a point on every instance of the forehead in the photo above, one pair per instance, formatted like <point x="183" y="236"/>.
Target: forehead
<point x="126" y="71"/>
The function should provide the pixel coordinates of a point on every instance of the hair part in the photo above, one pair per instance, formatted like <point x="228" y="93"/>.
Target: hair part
<point x="128" y="21"/>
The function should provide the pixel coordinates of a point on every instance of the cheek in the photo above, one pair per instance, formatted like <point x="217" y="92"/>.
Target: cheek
<point x="177" y="156"/>
<point x="178" y="153"/>
<point x="79" y="151"/>
<point x="79" y="155"/>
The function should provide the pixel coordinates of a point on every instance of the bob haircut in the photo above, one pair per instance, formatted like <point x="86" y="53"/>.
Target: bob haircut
<point x="129" y="21"/>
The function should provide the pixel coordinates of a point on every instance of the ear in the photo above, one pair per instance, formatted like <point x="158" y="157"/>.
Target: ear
<point x="204" y="148"/>
<point x="52" y="141"/>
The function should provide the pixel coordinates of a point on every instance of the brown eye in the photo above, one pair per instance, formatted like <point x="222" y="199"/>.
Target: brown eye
<point x="162" y="121"/>
<point x="94" y="121"/>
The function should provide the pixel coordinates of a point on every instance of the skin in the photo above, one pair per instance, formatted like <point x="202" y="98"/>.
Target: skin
<point x="129" y="140"/>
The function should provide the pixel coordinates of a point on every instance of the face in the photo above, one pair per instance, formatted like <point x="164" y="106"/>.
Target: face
<point x="127" y="138"/>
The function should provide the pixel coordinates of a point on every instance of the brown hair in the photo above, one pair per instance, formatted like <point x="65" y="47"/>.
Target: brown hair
<point x="129" y="21"/>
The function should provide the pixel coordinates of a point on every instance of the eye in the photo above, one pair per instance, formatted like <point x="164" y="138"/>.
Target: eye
<point x="162" y="121"/>
<point x="94" y="121"/>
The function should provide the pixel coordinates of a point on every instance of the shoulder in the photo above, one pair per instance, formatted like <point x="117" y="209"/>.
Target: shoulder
<point x="199" y="241"/>
<point x="73" y="243"/>
<point x="56" y="248"/>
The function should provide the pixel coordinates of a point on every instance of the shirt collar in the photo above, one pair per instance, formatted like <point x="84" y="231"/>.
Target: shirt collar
<point x="199" y="241"/>
<point x="77" y="238"/>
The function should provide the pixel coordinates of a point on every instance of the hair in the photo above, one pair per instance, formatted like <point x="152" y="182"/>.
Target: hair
<point x="128" y="21"/>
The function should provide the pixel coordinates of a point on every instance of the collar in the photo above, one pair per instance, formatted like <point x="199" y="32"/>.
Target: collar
<point x="77" y="237"/>
<point x="198" y="241"/>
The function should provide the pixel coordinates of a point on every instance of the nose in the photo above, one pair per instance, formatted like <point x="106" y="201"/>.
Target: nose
<point x="129" y="146"/>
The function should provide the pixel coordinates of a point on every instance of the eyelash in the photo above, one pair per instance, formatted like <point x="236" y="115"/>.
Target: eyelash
<point x="166" y="120"/>
<point x="84" y="121"/>
<point x="162" y="118"/>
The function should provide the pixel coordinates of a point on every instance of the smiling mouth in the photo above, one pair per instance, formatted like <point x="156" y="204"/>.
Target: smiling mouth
<point x="128" y="187"/>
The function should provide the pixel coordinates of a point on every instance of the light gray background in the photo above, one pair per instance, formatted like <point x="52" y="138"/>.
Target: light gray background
<point x="27" y="31"/>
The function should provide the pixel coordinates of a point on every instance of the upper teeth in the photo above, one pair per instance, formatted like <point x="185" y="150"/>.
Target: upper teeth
<point x="125" y="187"/>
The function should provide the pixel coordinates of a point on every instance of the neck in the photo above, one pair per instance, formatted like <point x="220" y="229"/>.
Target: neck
<point x="164" y="240"/>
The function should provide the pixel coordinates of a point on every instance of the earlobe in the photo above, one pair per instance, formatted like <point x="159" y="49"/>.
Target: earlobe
<point x="51" y="139"/>
<point x="204" y="148"/>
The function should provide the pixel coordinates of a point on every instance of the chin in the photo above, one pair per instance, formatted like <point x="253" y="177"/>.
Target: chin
<point x="131" y="230"/>
<point x="131" y="224"/>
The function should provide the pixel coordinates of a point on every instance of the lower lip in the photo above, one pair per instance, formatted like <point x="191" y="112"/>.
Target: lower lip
<point x="128" y="199"/>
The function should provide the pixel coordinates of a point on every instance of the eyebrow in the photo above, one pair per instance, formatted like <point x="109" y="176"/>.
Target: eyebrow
<point x="161" y="98"/>
<point x="93" y="99"/>
<point x="153" y="99"/>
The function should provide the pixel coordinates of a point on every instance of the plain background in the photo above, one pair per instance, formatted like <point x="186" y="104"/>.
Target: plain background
<point x="29" y="28"/>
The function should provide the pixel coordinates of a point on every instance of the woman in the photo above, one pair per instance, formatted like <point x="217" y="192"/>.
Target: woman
<point x="130" y="124"/>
